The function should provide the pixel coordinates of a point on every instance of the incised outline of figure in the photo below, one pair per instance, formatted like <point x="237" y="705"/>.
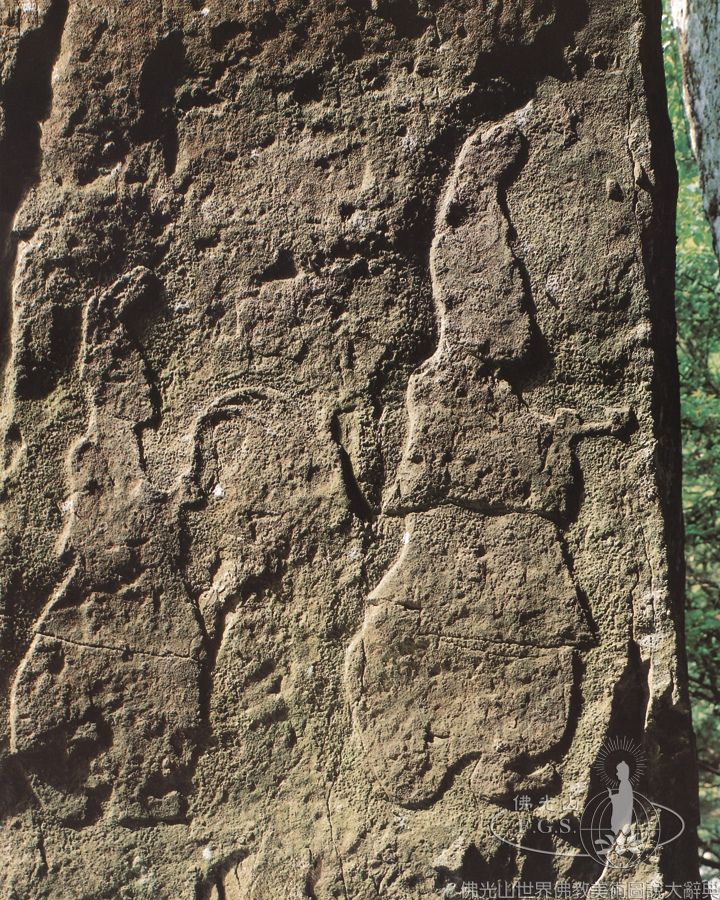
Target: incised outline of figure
<point x="466" y="649"/>
<point x="152" y="576"/>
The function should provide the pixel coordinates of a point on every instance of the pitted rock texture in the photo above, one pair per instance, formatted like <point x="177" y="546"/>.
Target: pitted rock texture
<point x="340" y="443"/>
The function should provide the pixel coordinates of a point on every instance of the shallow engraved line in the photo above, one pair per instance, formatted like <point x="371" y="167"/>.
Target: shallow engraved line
<point x="493" y="644"/>
<point x="12" y="711"/>
<point x="334" y="842"/>
<point x="168" y="654"/>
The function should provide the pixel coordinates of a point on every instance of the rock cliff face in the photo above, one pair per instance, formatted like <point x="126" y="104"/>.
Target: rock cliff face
<point x="340" y="447"/>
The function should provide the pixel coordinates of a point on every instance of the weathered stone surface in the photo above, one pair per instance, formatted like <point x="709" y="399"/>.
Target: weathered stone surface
<point x="340" y="478"/>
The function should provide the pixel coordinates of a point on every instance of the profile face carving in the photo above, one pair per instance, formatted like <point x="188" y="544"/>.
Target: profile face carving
<point x="460" y="395"/>
<point x="477" y="280"/>
<point x="482" y="593"/>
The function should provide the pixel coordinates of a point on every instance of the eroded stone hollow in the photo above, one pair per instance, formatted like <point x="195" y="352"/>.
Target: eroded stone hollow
<point x="340" y="443"/>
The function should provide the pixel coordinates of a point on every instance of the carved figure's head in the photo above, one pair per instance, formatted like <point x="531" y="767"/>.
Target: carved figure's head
<point x="478" y="282"/>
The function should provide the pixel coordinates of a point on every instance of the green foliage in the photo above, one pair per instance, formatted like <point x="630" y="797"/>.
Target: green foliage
<point x="698" y="311"/>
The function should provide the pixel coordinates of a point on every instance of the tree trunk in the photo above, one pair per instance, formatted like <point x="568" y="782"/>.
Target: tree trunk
<point x="698" y="26"/>
<point x="342" y="539"/>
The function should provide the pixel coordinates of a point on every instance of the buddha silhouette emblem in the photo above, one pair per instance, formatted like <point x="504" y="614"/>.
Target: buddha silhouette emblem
<point x="466" y="649"/>
<point x="621" y="801"/>
<point x="620" y="826"/>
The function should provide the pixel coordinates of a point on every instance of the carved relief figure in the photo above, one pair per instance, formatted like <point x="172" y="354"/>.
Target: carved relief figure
<point x="123" y="597"/>
<point x="154" y="575"/>
<point x="474" y="628"/>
